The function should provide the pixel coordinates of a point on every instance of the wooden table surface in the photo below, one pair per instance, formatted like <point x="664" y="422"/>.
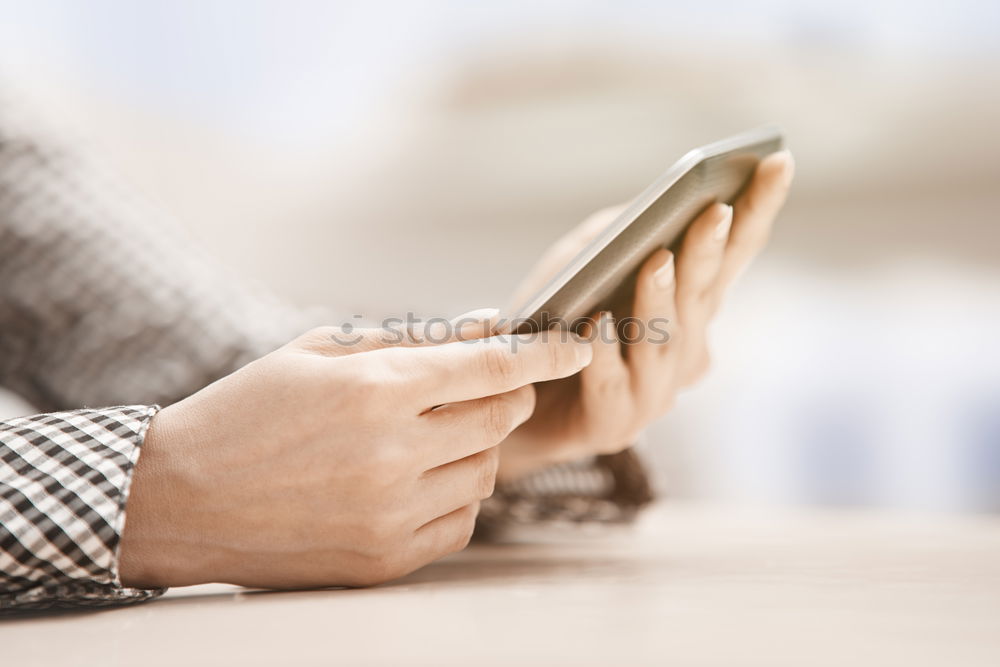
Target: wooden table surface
<point x="689" y="586"/>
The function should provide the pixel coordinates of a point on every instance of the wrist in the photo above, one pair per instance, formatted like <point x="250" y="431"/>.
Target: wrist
<point x="156" y="548"/>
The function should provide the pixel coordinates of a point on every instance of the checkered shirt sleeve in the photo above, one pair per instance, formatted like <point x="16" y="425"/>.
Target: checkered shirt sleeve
<point x="102" y="303"/>
<point x="64" y="478"/>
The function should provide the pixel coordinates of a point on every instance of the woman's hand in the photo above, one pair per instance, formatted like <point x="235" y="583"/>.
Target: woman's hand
<point x="604" y="408"/>
<point x="330" y="463"/>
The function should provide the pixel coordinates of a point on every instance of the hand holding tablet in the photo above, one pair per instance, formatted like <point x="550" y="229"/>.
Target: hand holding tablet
<point x="601" y="276"/>
<point x="667" y="259"/>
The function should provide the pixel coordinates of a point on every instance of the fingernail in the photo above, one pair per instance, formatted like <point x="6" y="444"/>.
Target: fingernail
<point x="583" y="351"/>
<point x="664" y="276"/>
<point x="474" y="318"/>
<point x="789" y="169"/>
<point x="477" y="315"/>
<point x="722" y="228"/>
<point x="606" y="325"/>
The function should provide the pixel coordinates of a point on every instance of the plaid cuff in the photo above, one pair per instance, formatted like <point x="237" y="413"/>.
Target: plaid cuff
<point x="64" y="481"/>
<point x="606" y="489"/>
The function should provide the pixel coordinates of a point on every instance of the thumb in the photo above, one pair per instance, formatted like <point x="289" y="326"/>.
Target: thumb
<point x="479" y="323"/>
<point x="338" y="341"/>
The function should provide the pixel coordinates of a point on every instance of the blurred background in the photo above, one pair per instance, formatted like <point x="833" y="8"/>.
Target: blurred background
<point x="386" y="157"/>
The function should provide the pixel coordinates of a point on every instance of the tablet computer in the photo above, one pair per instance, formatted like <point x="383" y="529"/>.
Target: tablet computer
<point x="602" y="275"/>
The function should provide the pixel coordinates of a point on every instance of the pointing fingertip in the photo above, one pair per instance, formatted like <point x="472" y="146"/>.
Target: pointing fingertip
<point x="786" y="164"/>
<point x="583" y="351"/>
<point x="475" y="323"/>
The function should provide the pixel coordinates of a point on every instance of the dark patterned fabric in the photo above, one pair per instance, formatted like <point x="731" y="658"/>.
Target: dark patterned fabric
<point x="605" y="489"/>
<point x="63" y="482"/>
<point x="104" y="303"/>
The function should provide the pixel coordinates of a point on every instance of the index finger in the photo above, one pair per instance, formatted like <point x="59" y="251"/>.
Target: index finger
<point x="754" y="213"/>
<point x="463" y="371"/>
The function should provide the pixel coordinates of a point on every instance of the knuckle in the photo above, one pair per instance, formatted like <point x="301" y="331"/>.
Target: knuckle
<point x="555" y="357"/>
<point x="499" y="419"/>
<point x="498" y="364"/>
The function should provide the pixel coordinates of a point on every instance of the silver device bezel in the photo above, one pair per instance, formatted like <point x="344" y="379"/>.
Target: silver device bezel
<point x="638" y="206"/>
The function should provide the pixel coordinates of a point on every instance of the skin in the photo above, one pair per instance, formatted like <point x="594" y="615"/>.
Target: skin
<point x="329" y="463"/>
<point x="322" y="465"/>
<point x="604" y="408"/>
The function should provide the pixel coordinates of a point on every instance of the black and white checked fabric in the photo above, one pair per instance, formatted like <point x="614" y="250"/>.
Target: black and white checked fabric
<point x="103" y="303"/>
<point x="63" y="485"/>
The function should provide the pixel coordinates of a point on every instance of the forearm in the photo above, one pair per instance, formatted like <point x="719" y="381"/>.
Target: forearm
<point x="103" y="300"/>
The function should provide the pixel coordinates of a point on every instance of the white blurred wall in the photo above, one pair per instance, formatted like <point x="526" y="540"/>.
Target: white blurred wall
<point x="386" y="157"/>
